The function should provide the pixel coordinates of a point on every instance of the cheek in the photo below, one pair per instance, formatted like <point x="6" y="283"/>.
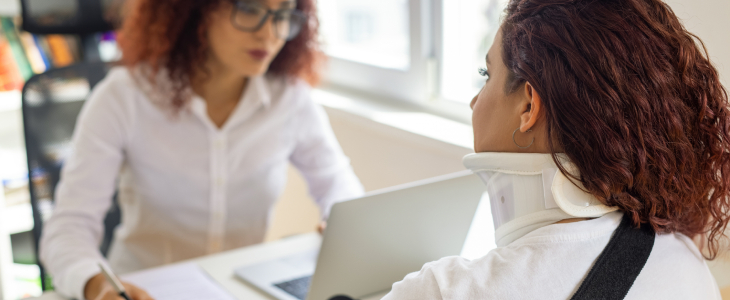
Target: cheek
<point x="493" y="121"/>
<point x="483" y="109"/>
<point x="221" y="41"/>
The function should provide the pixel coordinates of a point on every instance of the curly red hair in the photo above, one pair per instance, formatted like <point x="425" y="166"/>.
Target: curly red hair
<point x="633" y="100"/>
<point x="171" y="35"/>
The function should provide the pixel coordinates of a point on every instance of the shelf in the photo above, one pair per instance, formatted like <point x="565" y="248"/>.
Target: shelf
<point x="18" y="218"/>
<point x="10" y="100"/>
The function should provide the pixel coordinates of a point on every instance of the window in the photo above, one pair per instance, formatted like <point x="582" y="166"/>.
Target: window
<point x="469" y="29"/>
<point x="372" y="32"/>
<point x="422" y="51"/>
<point x="382" y="47"/>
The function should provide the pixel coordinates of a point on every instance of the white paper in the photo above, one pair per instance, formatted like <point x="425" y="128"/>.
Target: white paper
<point x="178" y="282"/>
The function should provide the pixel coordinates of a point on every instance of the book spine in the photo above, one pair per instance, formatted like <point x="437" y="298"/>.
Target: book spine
<point x="60" y="50"/>
<point x="10" y="77"/>
<point x="44" y="50"/>
<point x="32" y="53"/>
<point x="11" y="35"/>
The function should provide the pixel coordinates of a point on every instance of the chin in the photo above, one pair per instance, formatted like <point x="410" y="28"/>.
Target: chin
<point x="253" y="71"/>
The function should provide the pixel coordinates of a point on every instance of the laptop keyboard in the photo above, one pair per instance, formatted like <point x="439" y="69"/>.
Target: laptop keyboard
<point x="296" y="287"/>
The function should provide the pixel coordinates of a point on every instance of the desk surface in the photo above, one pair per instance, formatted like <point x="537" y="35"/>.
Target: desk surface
<point x="220" y="266"/>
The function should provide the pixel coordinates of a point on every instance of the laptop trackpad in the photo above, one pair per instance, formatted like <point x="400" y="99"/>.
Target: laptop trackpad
<point x="296" y="287"/>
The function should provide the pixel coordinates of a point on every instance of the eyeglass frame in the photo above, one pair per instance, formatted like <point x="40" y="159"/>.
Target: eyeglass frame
<point x="269" y="12"/>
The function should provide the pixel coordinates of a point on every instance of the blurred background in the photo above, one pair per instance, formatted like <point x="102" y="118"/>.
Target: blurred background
<point x="399" y="79"/>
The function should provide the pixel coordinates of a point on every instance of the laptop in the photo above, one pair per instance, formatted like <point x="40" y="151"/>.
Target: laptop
<point x="374" y="241"/>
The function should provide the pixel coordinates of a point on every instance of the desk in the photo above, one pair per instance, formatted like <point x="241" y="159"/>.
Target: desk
<point x="220" y="266"/>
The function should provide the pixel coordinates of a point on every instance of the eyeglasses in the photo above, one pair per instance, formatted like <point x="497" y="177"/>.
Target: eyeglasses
<point x="251" y="16"/>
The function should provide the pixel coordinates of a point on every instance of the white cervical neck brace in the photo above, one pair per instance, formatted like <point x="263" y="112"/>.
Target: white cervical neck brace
<point x="528" y="191"/>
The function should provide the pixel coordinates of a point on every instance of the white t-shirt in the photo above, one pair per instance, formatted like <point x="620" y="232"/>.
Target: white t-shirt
<point x="186" y="187"/>
<point x="551" y="263"/>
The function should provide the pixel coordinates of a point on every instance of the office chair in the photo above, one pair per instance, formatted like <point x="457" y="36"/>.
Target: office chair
<point x="51" y="103"/>
<point x="52" y="100"/>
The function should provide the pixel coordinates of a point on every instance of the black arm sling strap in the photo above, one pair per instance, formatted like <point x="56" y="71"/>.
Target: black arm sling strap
<point x="619" y="264"/>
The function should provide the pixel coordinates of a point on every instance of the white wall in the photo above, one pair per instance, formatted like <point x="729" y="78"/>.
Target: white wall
<point x="709" y="20"/>
<point x="381" y="156"/>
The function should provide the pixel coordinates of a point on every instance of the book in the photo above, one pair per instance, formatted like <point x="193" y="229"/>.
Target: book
<point x="10" y="77"/>
<point x="73" y="43"/>
<point x="61" y="55"/>
<point x="11" y="34"/>
<point x="45" y="50"/>
<point x="32" y="53"/>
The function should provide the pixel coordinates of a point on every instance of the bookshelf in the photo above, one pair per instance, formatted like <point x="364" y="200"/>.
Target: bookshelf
<point x="23" y="55"/>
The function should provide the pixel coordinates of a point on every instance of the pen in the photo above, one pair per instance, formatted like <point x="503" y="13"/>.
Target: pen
<point x="114" y="281"/>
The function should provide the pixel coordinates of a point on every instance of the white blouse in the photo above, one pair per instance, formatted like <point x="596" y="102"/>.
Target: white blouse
<point x="186" y="187"/>
<point x="538" y="259"/>
<point x="551" y="263"/>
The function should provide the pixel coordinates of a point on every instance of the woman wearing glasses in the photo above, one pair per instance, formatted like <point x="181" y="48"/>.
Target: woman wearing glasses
<point x="196" y="133"/>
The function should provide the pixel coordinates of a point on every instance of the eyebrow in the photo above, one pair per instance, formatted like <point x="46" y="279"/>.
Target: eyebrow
<point x="288" y="3"/>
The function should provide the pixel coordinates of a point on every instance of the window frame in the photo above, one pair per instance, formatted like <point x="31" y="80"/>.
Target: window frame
<point x="415" y="85"/>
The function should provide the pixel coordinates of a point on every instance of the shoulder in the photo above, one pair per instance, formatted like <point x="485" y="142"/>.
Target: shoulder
<point x="675" y="270"/>
<point x="512" y="272"/>
<point x="113" y="97"/>
<point x="118" y="79"/>
<point x="453" y="277"/>
<point x="423" y="284"/>
<point x="119" y="84"/>
<point x="677" y="251"/>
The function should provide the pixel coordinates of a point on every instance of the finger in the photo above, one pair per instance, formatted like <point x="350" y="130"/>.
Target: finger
<point x="322" y="226"/>
<point x="137" y="293"/>
<point x="109" y="294"/>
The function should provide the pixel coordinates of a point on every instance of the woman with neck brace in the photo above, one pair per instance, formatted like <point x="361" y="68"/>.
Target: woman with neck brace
<point x="593" y="110"/>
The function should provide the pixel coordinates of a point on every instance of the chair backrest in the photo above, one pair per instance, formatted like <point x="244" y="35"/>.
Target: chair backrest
<point x="51" y="103"/>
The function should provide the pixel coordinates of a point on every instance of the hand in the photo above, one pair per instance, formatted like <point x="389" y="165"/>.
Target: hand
<point x="322" y="225"/>
<point x="98" y="288"/>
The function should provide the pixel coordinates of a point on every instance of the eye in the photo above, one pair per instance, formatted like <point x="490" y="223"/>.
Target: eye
<point x="249" y="9"/>
<point x="283" y="15"/>
<point x="484" y="72"/>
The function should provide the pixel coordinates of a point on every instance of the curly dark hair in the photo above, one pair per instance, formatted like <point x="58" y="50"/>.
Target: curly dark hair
<point x="171" y="35"/>
<point x="633" y="100"/>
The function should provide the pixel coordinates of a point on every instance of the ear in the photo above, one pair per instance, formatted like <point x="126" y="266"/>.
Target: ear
<point x="530" y="109"/>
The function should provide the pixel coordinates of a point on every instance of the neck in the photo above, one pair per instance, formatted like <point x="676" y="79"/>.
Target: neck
<point x="571" y="220"/>
<point x="219" y="85"/>
<point x="527" y="191"/>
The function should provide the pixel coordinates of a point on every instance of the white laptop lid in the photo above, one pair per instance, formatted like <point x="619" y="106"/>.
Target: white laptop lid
<point x="372" y="242"/>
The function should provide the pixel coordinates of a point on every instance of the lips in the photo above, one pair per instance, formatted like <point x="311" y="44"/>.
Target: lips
<point x="258" y="54"/>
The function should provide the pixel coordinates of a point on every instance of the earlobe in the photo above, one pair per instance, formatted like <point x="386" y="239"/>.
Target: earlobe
<point x="530" y="116"/>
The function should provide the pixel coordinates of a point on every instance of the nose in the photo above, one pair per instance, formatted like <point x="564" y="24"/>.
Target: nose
<point x="267" y="31"/>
